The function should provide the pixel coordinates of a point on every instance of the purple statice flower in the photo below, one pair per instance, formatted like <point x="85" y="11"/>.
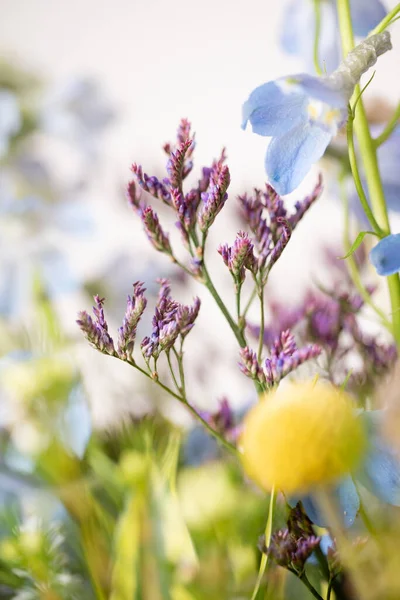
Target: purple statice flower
<point x="171" y="320"/>
<point x="299" y="23"/>
<point x="270" y="223"/>
<point x="292" y="547"/>
<point x="127" y="332"/>
<point x="385" y="256"/>
<point x="178" y="167"/>
<point x="284" y="358"/>
<point x="239" y="257"/>
<point x="302" y="113"/>
<point x="154" y="231"/>
<point x="152" y="185"/>
<point x="96" y="331"/>
<point x="214" y="199"/>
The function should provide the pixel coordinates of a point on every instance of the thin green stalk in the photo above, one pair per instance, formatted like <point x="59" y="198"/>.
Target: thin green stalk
<point x="369" y="159"/>
<point x="171" y="369"/>
<point x="262" y="323"/>
<point x="183" y="400"/>
<point x="356" y="176"/>
<point x="387" y="20"/>
<point x="352" y="265"/>
<point x="235" y="329"/>
<point x="249" y="302"/>
<point x="268" y="533"/>
<point x="303" y="577"/>
<point x="238" y="297"/>
<point x="390" y="127"/>
<point x="317" y="35"/>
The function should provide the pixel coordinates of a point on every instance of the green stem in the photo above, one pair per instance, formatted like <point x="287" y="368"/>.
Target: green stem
<point x="268" y="533"/>
<point x="387" y="20"/>
<point x="303" y="577"/>
<point x="190" y="408"/>
<point x="391" y="125"/>
<point x="171" y="369"/>
<point x="235" y="329"/>
<point x="262" y="323"/>
<point x="356" y="176"/>
<point x="351" y="262"/>
<point x="370" y="162"/>
<point x="317" y="35"/>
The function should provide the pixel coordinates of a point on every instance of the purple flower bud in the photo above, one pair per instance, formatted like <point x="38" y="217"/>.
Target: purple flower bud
<point x="249" y="365"/>
<point x="286" y="232"/>
<point x="133" y="196"/>
<point x="239" y="257"/>
<point x="154" y="231"/>
<point x="151" y="185"/>
<point x="302" y="207"/>
<point x="127" y="333"/>
<point x="177" y="168"/>
<point x="186" y="316"/>
<point x="214" y="199"/>
<point x="96" y="332"/>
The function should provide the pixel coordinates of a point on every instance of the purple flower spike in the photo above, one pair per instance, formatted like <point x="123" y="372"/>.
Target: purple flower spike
<point x="282" y="242"/>
<point x="249" y="365"/>
<point x="152" y="185"/>
<point x="178" y="168"/>
<point x="302" y="207"/>
<point x="171" y="320"/>
<point x="214" y="199"/>
<point x="96" y="332"/>
<point x="154" y="231"/>
<point x="127" y="333"/>
<point x="186" y="316"/>
<point x="285" y="357"/>
<point x="239" y="257"/>
<point x="133" y="196"/>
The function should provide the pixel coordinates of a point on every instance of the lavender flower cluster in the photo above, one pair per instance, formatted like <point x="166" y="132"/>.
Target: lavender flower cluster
<point x="171" y="320"/>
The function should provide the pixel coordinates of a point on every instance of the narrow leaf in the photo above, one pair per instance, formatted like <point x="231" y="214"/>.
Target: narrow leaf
<point x="357" y="243"/>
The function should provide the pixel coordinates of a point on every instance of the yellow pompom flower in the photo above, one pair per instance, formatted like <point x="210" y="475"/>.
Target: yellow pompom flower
<point x="300" y="436"/>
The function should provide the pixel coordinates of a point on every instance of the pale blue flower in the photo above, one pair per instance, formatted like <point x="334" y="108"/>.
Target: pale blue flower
<point x="385" y="256"/>
<point x="303" y="113"/>
<point x="10" y="119"/>
<point x="379" y="473"/>
<point x="299" y="24"/>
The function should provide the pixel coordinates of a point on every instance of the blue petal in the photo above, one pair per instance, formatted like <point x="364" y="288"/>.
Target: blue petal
<point x="290" y="156"/>
<point x="386" y="255"/>
<point x="366" y="14"/>
<point x="389" y="158"/>
<point x="272" y="110"/>
<point x="380" y="472"/>
<point x="320" y="88"/>
<point x="346" y="497"/>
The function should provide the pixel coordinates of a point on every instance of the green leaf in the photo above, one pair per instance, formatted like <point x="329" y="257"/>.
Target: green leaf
<point x="127" y="548"/>
<point x="357" y="243"/>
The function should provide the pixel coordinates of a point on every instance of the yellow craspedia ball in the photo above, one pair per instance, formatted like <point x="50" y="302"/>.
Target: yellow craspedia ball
<point x="300" y="436"/>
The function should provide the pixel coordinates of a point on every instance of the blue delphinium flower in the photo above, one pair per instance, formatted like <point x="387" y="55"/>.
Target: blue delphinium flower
<point x="299" y="22"/>
<point x="10" y="119"/>
<point x="379" y="473"/>
<point x="303" y="113"/>
<point x="385" y="256"/>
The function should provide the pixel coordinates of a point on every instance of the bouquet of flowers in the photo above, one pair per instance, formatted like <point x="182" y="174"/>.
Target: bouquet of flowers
<point x="296" y="495"/>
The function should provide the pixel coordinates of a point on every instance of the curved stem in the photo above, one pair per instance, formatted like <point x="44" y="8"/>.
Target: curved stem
<point x="303" y="577"/>
<point x="387" y="20"/>
<point x="370" y="162"/>
<point x="262" y="323"/>
<point x="317" y="35"/>
<point x="268" y="533"/>
<point x="390" y="127"/>
<point x="356" y="176"/>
